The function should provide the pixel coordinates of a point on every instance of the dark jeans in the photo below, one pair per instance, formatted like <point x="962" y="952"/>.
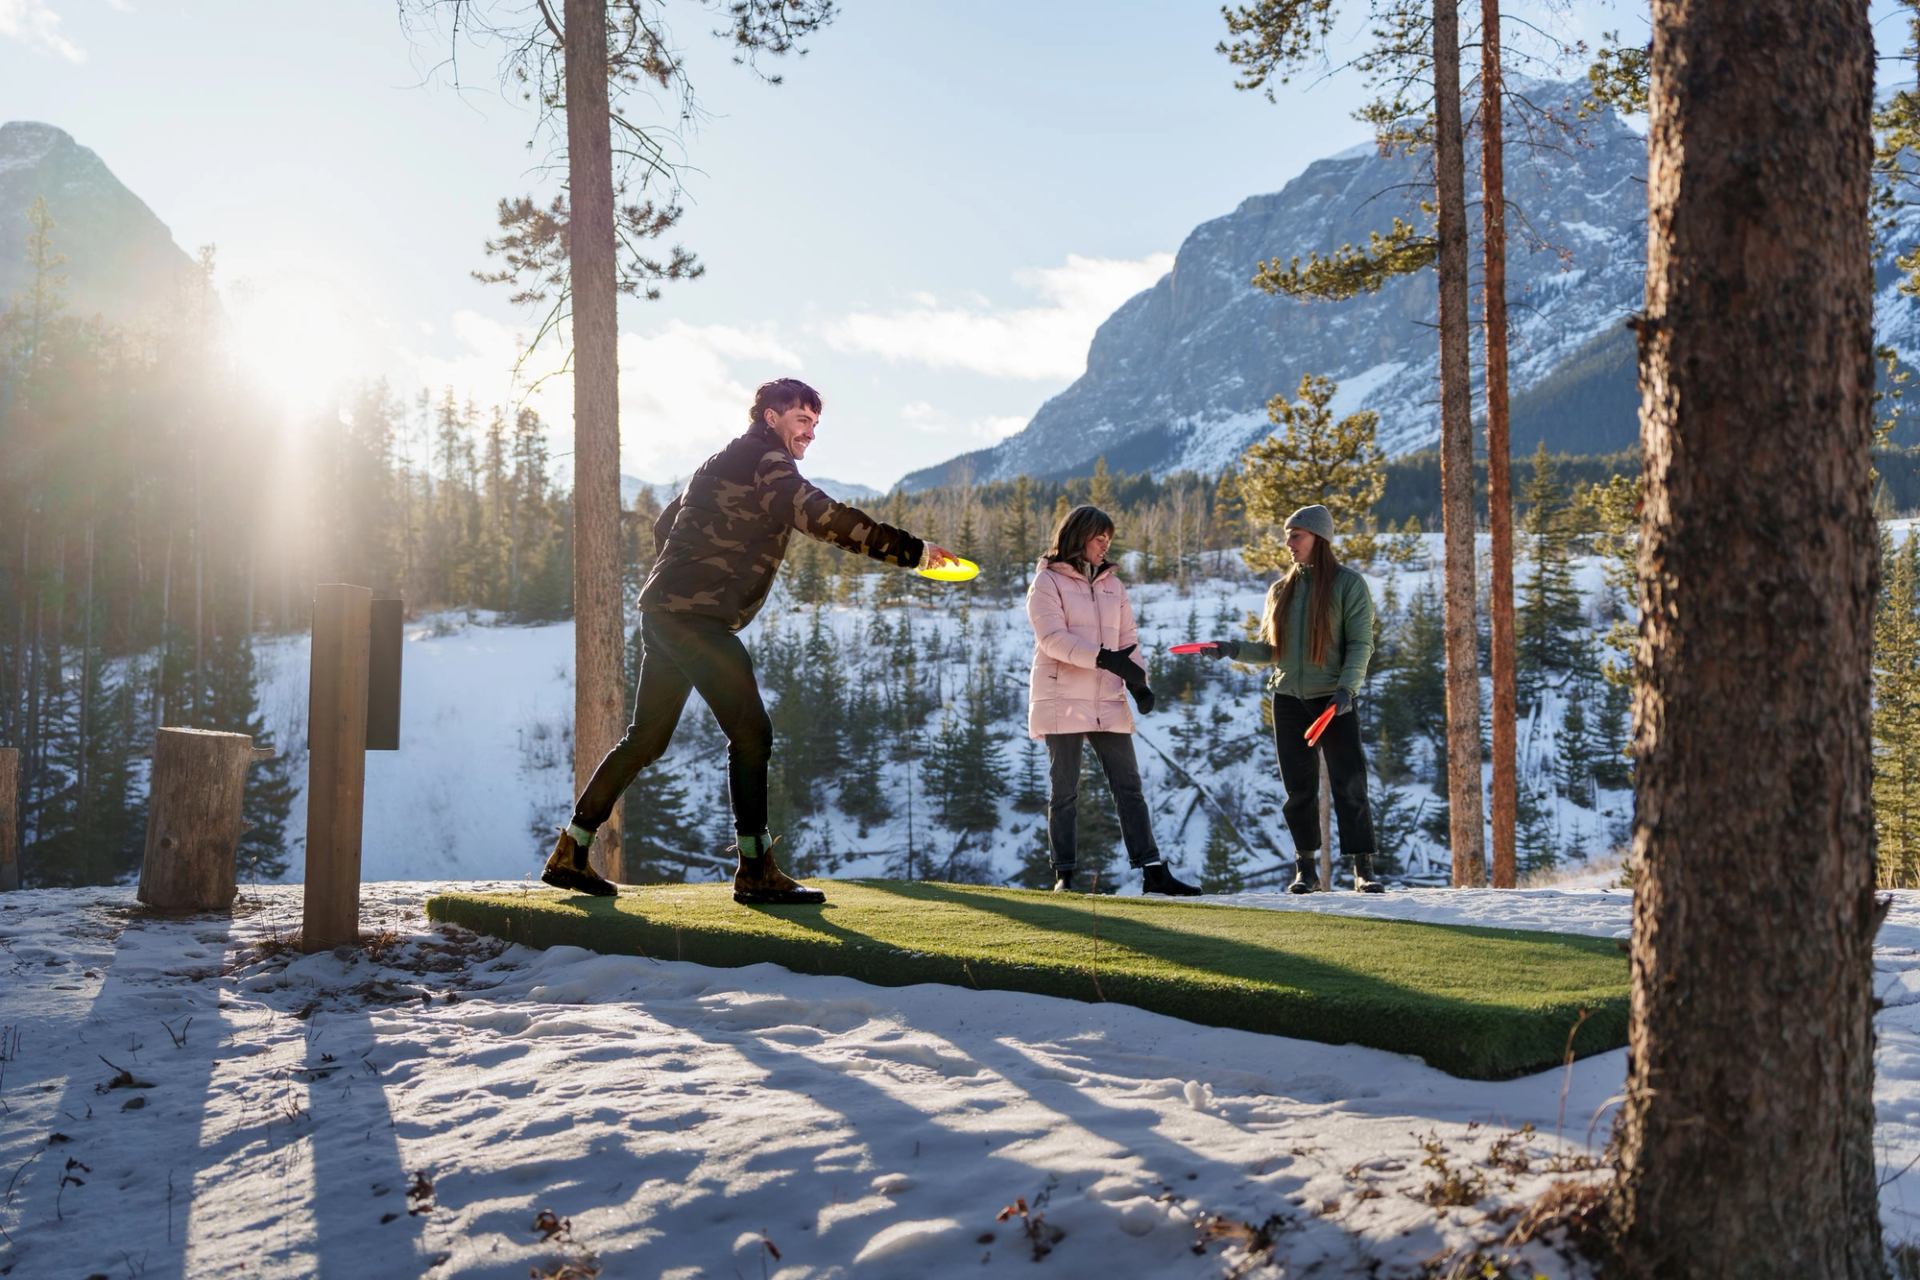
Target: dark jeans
<point x="1123" y="776"/>
<point x="680" y="652"/>
<point x="1300" y="770"/>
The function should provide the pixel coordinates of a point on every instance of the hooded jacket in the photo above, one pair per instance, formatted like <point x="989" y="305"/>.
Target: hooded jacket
<point x="1073" y="620"/>
<point x="722" y="538"/>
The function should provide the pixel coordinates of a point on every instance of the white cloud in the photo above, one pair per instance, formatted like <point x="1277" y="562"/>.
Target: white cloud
<point x="1047" y="342"/>
<point x="682" y="396"/>
<point x="35" y="24"/>
<point x="966" y="433"/>
<point x="684" y="389"/>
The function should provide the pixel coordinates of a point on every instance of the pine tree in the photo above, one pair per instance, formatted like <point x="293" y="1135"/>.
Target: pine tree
<point x="1036" y="861"/>
<point x="1533" y="834"/>
<point x="1030" y="789"/>
<point x="1896" y="717"/>
<point x="1577" y="748"/>
<point x="1022" y="543"/>
<point x="232" y="705"/>
<point x="1392" y="825"/>
<point x="862" y="795"/>
<point x="1228" y="524"/>
<point x="1549" y="613"/>
<point x="1100" y="488"/>
<point x="1413" y="700"/>
<point x="659" y="830"/>
<point x="1613" y="766"/>
<point x="1220" y="861"/>
<point x="1097" y="849"/>
<point x="1310" y="458"/>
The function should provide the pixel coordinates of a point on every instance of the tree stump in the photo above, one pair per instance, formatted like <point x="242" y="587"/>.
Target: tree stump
<point x="9" y="818"/>
<point x="193" y="819"/>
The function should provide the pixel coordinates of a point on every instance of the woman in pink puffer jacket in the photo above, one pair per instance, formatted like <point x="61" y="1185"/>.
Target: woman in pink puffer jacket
<point x="1083" y="666"/>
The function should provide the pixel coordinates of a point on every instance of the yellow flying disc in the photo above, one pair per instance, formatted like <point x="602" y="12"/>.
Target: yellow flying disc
<point x="963" y="571"/>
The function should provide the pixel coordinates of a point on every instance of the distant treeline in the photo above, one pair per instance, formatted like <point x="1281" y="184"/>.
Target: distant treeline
<point x="1413" y="482"/>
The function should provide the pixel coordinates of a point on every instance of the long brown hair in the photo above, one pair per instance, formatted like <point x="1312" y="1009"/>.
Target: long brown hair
<point x="1319" y="606"/>
<point x="1076" y="529"/>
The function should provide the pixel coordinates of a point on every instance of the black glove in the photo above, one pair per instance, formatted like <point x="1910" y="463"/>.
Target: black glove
<point x="1342" y="702"/>
<point x="1119" y="662"/>
<point x="1223" y="649"/>
<point x="1142" y="697"/>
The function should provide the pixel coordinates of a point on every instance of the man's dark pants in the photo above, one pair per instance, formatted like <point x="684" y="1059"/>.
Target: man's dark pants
<point x="679" y="653"/>
<point x="1300" y="770"/>
<point x="1123" y="778"/>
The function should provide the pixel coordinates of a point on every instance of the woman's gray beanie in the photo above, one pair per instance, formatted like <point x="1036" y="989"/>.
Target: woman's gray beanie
<point x="1314" y="519"/>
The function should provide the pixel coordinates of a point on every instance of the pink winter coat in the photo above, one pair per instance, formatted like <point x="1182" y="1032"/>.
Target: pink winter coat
<point x="1073" y="620"/>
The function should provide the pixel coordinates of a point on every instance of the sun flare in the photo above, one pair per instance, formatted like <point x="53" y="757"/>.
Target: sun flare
<point x="297" y="341"/>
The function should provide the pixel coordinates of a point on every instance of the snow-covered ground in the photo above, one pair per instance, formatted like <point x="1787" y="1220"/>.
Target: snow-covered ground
<point x="189" y="1097"/>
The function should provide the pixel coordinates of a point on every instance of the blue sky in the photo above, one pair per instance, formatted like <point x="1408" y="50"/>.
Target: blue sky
<point x="927" y="220"/>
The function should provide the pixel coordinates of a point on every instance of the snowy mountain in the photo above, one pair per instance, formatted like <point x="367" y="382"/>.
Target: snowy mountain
<point x="121" y="260"/>
<point x="1179" y="376"/>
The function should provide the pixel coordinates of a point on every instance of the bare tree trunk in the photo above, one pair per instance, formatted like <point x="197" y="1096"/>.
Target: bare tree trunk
<point x="1456" y="456"/>
<point x="9" y="818"/>
<point x="1326" y="819"/>
<point x="84" y="756"/>
<point x="199" y="598"/>
<point x="598" y="694"/>
<point x="1493" y="212"/>
<point x="1745" y="1144"/>
<point x="17" y="714"/>
<point x="33" y="742"/>
<point x="166" y="626"/>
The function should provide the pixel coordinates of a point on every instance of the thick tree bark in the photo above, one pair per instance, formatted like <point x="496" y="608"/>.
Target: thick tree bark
<point x="1746" y="1141"/>
<point x="1493" y="213"/>
<point x="9" y="818"/>
<point x="598" y="693"/>
<point x="1456" y="456"/>
<point x="193" y="819"/>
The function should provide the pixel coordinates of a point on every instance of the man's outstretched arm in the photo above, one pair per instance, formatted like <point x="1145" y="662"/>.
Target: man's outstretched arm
<point x="804" y="505"/>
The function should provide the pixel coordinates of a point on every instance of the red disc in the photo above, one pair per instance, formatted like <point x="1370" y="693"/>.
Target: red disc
<point x="1198" y="646"/>
<point x="1319" y="726"/>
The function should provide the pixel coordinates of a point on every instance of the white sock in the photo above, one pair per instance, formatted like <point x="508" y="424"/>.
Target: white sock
<point x="581" y="836"/>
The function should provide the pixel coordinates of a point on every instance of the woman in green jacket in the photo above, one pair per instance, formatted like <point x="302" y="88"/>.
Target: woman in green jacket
<point x="1318" y="632"/>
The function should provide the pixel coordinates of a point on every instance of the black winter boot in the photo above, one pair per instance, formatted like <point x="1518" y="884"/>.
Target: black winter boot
<point x="567" y="868"/>
<point x="1157" y="877"/>
<point x="1306" y="873"/>
<point x="1363" y="881"/>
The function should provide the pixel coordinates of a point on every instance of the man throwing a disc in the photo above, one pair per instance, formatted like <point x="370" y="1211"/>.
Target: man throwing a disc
<point x="720" y="543"/>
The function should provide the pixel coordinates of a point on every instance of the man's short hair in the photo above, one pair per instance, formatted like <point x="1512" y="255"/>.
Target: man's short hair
<point x="781" y="395"/>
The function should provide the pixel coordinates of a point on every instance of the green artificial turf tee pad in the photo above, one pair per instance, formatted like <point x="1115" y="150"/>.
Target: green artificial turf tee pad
<point x="1475" y="1002"/>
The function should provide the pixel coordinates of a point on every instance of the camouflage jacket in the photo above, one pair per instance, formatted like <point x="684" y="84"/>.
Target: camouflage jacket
<point x="720" y="542"/>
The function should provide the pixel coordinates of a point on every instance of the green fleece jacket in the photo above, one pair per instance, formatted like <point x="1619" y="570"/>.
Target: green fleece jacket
<point x="1349" y="647"/>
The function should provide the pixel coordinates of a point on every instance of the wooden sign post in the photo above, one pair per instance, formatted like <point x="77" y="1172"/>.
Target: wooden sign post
<point x="9" y="818"/>
<point x="336" y="765"/>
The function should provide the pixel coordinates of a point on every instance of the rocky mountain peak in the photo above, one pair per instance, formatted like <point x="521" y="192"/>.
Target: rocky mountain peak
<point x="1179" y="376"/>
